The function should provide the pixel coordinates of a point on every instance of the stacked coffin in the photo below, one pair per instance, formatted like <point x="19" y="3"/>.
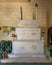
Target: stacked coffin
<point x="28" y="30"/>
<point x="28" y="43"/>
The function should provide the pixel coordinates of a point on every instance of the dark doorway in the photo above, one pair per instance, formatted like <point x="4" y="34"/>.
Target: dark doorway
<point x="50" y="40"/>
<point x="50" y="36"/>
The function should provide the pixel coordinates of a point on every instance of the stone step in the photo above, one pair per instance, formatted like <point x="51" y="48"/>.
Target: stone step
<point x="38" y="60"/>
<point x="26" y="55"/>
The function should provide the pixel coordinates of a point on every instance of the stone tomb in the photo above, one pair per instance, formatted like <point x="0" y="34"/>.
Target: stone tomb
<point x="29" y="42"/>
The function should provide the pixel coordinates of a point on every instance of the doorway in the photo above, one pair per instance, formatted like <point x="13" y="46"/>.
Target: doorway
<point x="50" y="36"/>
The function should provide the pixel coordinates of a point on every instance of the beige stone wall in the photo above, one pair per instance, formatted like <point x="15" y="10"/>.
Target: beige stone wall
<point x="50" y="14"/>
<point x="10" y="13"/>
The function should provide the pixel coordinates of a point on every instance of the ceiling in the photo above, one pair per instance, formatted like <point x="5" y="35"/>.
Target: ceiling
<point x="51" y="0"/>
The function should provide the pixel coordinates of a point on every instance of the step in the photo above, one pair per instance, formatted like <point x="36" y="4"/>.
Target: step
<point x="36" y="55"/>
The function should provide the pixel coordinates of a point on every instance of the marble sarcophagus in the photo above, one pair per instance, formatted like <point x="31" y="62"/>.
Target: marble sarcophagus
<point x="28" y="40"/>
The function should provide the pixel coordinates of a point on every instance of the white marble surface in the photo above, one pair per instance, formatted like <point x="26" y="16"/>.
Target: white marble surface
<point x="28" y="46"/>
<point x="26" y="55"/>
<point x="28" y="33"/>
<point x="28" y="23"/>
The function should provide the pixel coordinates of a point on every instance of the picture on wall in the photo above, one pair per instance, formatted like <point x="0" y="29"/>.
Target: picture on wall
<point x="6" y="29"/>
